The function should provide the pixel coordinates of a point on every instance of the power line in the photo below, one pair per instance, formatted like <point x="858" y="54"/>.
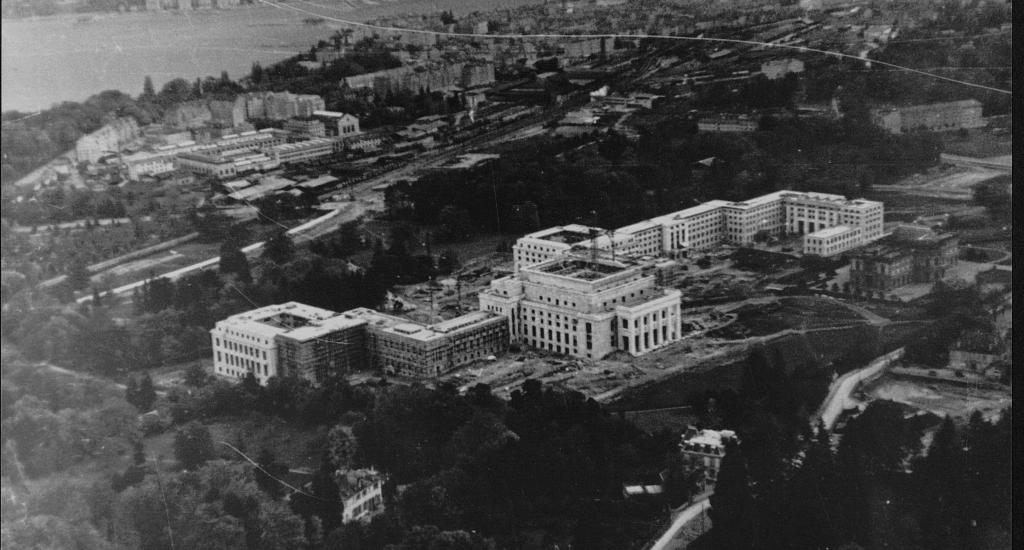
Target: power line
<point x="167" y="511"/>
<point x="506" y="36"/>
<point x="9" y="122"/>
<point x="271" y="476"/>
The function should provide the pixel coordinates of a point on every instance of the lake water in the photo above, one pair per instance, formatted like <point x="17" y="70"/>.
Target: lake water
<point x="53" y="59"/>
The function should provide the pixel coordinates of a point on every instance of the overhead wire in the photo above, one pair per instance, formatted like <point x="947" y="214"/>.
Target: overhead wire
<point x="524" y="36"/>
<point x="271" y="476"/>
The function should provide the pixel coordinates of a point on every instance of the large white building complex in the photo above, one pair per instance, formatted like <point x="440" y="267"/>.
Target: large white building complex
<point x="294" y="339"/>
<point x="830" y="224"/>
<point x="587" y="291"/>
<point x="586" y="307"/>
<point x="282" y="339"/>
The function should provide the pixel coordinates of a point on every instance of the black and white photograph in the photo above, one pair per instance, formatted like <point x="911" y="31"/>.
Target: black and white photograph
<point x="506" y="274"/>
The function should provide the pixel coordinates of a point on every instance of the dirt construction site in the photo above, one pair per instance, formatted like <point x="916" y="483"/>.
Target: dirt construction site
<point x="941" y="397"/>
<point x="701" y="349"/>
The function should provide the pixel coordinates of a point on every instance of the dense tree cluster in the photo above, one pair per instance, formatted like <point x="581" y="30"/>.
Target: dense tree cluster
<point x="172" y="319"/>
<point x="61" y="251"/>
<point x="545" y="468"/>
<point x="616" y="183"/>
<point x="51" y="423"/>
<point x="36" y="140"/>
<point x="862" y="493"/>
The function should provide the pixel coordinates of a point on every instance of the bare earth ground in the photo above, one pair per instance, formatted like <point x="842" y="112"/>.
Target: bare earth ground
<point x="941" y="398"/>
<point x="943" y="183"/>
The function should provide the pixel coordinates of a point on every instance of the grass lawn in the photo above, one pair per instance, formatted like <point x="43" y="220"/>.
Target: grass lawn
<point x="296" y="445"/>
<point x="673" y="420"/>
<point x="981" y="144"/>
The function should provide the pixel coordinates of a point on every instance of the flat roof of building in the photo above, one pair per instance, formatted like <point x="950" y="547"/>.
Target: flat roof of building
<point x="331" y="114"/>
<point x="462" y="321"/>
<point x="286" y="318"/>
<point x="576" y="268"/>
<point x="299" y="145"/>
<point x="469" y="160"/>
<point x="565" y="234"/>
<point x="831" y="231"/>
<point x="318" y="182"/>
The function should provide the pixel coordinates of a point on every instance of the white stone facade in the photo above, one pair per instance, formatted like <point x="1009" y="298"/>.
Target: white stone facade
<point x="715" y="223"/>
<point x="586" y="307"/>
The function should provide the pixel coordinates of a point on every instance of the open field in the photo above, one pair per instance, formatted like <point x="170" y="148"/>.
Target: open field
<point x="296" y="445"/>
<point x="787" y="313"/>
<point x="942" y="183"/>
<point x="675" y="420"/>
<point x="980" y="144"/>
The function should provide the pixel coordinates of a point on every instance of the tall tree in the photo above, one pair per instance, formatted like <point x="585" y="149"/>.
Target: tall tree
<point x="234" y="261"/>
<point x="732" y="504"/>
<point x="148" y="91"/>
<point x="193" y="445"/>
<point x="941" y="476"/>
<point x="279" y="248"/>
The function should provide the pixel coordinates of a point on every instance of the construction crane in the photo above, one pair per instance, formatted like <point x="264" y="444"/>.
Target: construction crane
<point x="611" y="241"/>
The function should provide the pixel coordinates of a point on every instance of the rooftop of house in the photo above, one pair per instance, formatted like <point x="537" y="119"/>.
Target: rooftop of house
<point x="880" y="251"/>
<point x="706" y="438"/>
<point x="351" y="482"/>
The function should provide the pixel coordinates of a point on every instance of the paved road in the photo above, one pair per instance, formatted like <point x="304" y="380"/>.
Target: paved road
<point x="841" y="390"/>
<point x="1003" y="163"/>
<point x="667" y="540"/>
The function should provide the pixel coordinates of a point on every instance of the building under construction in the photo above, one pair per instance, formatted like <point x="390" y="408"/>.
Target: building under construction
<point x="294" y="339"/>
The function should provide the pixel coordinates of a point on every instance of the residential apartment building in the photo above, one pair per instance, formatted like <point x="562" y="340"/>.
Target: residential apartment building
<point x="976" y="351"/>
<point x="306" y="127"/>
<point x="716" y="222"/>
<point x="281" y="105"/>
<point x="107" y="140"/>
<point x="189" y="114"/>
<point x="361" y="493"/>
<point x="911" y="254"/>
<point x="228" y="114"/>
<point x="438" y="76"/>
<point x="933" y="117"/>
<point x="586" y="307"/>
<point x="703" y="450"/>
